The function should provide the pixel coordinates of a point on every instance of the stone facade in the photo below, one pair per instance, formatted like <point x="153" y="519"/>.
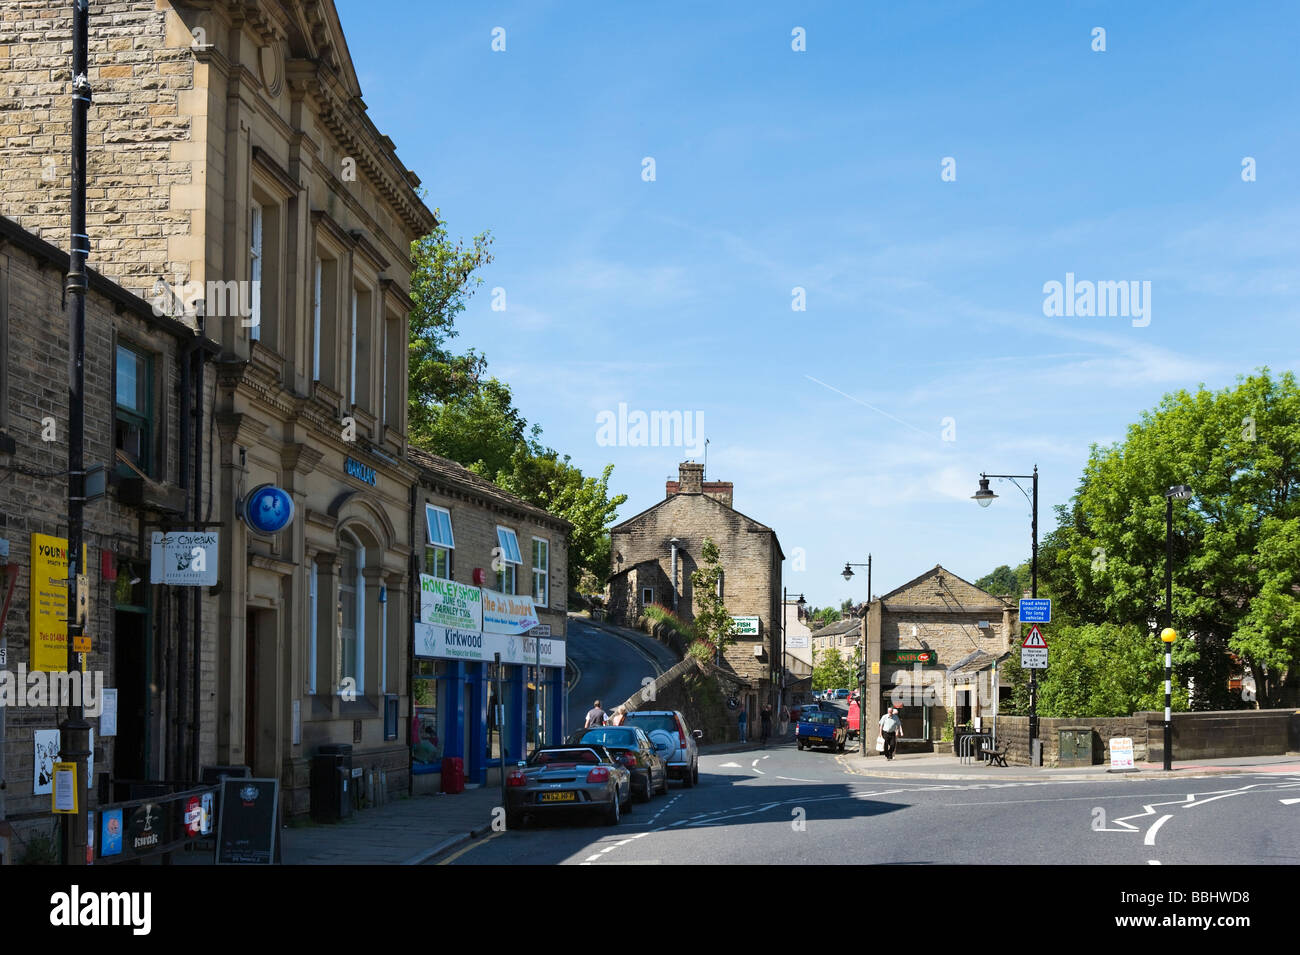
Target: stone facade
<point x="951" y="618"/>
<point x="751" y="557"/>
<point x="139" y="632"/>
<point x="229" y="147"/>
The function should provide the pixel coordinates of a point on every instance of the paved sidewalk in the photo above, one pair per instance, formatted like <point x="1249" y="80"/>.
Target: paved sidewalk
<point x="929" y="766"/>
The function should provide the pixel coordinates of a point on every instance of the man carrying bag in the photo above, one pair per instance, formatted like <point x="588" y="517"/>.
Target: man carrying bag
<point x="890" y="727"/>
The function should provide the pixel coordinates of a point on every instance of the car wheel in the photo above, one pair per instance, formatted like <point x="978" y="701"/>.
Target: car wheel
<point x="687" y="780"/>
<point x="695" y="773"/>
<point x="799" y="743"/>
<point x="615" y="811"/>
<point x="648" y="790"/>
<point x="664" y="788"/>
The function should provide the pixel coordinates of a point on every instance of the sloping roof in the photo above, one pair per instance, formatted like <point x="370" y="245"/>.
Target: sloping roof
<point x="443" y="472"/>
<point x="975" y="662"/>
<point x="757" y="525"/>
<point x="840" y="626"/>
<point x="937" y="569"/>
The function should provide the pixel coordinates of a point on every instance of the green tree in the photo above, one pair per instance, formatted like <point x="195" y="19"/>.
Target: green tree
<point x="712" y="619"/>
<point x="456" y="412"/>
<point x="821" y="616"/>
<point x="1236" y="543"/>
<point x="832" y="671"/>
<point x="1004" y="581"/>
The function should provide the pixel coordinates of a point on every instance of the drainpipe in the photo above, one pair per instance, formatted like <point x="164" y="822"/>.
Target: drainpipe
<point x="178" y="700"/>
<point x="196" y="642"/>
<point x="674" y="543"/>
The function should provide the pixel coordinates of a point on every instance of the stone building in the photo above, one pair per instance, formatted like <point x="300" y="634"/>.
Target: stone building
<point x="233" y="172"/>
<point x="493" y="547"/>
<point x="655" y="552"/>
<point x="935" y="640"/>
<point x="140" y="390"/>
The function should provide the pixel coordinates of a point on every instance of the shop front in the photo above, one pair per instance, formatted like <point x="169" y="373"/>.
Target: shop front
<point x="487" y="688"/>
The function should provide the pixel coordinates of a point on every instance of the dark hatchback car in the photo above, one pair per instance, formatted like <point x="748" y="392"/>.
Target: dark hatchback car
<point x="631" y="746"/>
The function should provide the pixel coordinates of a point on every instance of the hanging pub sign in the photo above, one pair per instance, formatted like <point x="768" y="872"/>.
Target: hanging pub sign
<point x="267" y="509"/>
<point x="184" y="558"/>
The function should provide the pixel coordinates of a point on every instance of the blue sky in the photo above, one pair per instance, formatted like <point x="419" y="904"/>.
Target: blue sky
<point x="821" y="169"/>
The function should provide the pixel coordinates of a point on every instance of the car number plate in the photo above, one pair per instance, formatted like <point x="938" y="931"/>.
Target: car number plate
<point x="559" y="797"/>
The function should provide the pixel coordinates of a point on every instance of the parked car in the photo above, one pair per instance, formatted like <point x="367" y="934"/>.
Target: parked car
<point x="677" y="745"/>
<point x="841" y="694"/>
<point x="821" y="729"/>
<point x="633" y="748"/>
<point x="559" y="779"/>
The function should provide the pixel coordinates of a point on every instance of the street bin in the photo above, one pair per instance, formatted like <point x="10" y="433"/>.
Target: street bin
<point x="453" y="774"/>
<point x="331" y="776"/>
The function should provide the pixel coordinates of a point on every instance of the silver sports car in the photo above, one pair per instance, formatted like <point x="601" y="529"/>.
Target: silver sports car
<point x="568" y="779"/>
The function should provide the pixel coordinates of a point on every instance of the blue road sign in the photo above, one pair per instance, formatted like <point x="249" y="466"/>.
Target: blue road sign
<point x="1038" y="610"/>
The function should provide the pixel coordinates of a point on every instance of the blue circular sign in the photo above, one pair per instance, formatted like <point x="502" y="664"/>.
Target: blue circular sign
<point x="268" y="509"/>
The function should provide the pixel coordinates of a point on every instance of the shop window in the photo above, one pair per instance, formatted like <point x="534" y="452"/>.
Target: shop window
<point x="133" y="418"/>
<point x="428" y="727"/>
<point x="541" y="571"/>
<point x="508" y="560"/>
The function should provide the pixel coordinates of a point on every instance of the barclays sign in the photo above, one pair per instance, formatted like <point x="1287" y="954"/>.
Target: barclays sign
<point x="361" y="472"/>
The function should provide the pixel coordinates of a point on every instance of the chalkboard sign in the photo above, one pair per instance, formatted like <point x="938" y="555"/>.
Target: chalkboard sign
<point x="246" y="826"/>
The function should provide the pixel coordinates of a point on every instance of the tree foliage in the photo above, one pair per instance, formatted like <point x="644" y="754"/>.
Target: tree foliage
<point x="1005" y="582"/>
<point x="456" y="412"/>
<point x="712" y="619"/>
<point x="832" y="671"/>
<point x="1236" y="543"/>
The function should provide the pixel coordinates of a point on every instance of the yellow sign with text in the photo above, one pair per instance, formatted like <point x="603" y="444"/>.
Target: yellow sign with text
<point x="49" y="602"/>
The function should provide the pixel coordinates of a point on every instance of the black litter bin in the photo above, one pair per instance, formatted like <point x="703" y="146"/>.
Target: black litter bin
<point x="331" y="779"/>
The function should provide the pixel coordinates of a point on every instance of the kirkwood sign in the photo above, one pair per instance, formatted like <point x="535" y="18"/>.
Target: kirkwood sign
<point x="459" y="622"/>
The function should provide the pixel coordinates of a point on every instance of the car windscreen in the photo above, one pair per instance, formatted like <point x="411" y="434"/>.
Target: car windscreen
<point x="546" y="757"/>
<point x="819" y="718"/>
<point x="610" y="736"/>
<point x="649" y="722"/>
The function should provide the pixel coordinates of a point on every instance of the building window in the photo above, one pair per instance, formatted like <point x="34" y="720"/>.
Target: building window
<point x="647" y="596"/>
<point x="352" y="610"/>
<point x="133" y="422"/>
<point x="541" y="571"/>
<point x="313" y="633"/>
<point x="508" y="560"/>
<point x="437" y="555"/>
<point x="359" y="348"/>
<point x="255" y="272"/>
<point x="315" y="325"/>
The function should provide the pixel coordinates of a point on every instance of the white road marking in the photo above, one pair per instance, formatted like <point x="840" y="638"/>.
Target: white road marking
<point x="1153" y="862"/>
<point x="1288" y="802"/>
<point x="796" y="779"/>
<point x="731" y="766"/>
<point x="1150" y="840"/>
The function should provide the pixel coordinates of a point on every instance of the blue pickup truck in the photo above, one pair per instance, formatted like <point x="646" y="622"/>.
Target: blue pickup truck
<point x="821" y="729"/>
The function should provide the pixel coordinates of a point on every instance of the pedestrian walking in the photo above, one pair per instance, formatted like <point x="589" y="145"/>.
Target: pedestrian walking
<point x="766" y="722"/>
<point x="595" y="716"/>
<point x="890" y="727"/>
<point x="742" y="721"/>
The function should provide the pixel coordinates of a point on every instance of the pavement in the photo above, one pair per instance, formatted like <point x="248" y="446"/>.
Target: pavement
<point x="931" y="766"/>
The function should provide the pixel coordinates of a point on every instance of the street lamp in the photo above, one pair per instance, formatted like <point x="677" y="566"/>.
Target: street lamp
<point x="847" y="574"/>
<point x="984" y="497"/>
<point x="1179" y="492"/>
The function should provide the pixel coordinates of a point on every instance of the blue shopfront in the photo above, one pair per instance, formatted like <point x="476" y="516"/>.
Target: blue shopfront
<point x="457" y="712"/>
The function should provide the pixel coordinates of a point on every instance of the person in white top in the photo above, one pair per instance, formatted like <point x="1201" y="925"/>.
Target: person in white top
<point x="890" y="727"/>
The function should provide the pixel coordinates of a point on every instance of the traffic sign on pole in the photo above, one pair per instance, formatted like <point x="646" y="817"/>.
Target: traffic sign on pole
<point x="1036" y="610"/>
<point x="1033" y="651"/>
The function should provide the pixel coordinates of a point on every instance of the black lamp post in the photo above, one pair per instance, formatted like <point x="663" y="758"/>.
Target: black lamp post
<point x="847" y="574"/>
<point x="984" y="497"/>
<point x="1179" y="492"/>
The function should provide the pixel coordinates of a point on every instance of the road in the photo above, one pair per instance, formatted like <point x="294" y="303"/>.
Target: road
<point x="611" y="667"/>
<point x="781" y="805"/>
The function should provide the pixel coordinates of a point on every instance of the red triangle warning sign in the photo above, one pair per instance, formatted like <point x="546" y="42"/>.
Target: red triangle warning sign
<point x="1035" y="639"/>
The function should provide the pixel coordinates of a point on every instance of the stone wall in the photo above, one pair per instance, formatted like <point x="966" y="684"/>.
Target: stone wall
<point x="1196" y="735"/>
<point x="700" y="692"/>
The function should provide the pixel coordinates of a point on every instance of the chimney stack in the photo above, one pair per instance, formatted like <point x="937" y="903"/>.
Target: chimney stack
<point x="690" y="478"/>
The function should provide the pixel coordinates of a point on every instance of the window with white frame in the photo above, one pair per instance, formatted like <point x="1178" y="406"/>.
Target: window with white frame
<point x="352" y="609"/>
<point x="647" y="596"/>
<point x="437" y="554"/>
<point x="509" y="560"/>
<point x="541" y="571"/>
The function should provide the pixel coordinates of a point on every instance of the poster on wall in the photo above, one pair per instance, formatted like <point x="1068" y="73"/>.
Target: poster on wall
<point x="184" y="558"/>
<point x="508" y="613"/>
<point x="449" y="604"/>
<point x="45" y="754"/>
<point x="48" y="610"/>
<point x="108" y="715"/>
